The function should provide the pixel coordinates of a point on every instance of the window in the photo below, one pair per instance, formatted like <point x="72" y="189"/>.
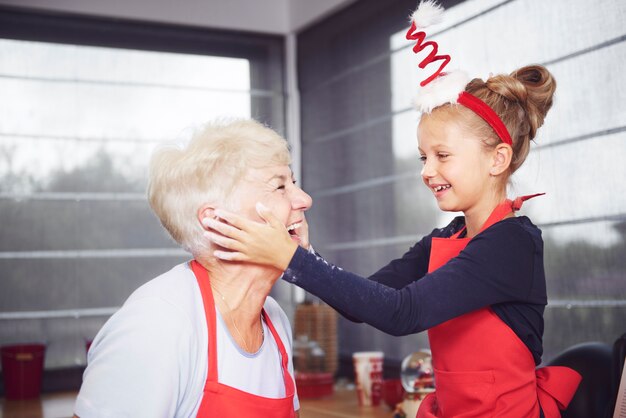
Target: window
<point x="84" y="102"/>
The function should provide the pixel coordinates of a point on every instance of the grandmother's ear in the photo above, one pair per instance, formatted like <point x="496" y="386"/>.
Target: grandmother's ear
<point x="206" y="211"/>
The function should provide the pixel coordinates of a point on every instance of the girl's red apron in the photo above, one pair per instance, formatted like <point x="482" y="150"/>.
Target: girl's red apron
<point x="222" y="401"/>
<point x="482" y="368"/>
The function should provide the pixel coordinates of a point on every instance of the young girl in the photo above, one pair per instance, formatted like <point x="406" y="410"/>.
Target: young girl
<point x="477" y="285"/>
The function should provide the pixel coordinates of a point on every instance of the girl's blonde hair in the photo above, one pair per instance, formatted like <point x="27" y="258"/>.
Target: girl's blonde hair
<point x="207" y="170"/>
<point x="521" y="99"/>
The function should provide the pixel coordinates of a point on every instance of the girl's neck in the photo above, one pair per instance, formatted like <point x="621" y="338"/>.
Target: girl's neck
<point x="476" y="217"/>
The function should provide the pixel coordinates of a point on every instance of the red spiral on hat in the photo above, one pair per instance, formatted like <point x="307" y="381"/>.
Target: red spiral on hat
<point x="420" y="45"/>
<point x="427" y="13"/>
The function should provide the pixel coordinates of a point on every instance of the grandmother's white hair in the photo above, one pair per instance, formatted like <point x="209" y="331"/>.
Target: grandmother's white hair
<point x="206" y="171"/>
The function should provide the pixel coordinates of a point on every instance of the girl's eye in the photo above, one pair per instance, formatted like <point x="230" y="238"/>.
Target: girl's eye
<point x="442" y="156"/>
<point x="423" y="158"/>
<point x="281" y="187"/>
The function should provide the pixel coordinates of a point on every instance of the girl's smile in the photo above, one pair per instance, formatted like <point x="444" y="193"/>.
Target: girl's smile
<point x="456" y="165"/>
<point x="439" y="189"/>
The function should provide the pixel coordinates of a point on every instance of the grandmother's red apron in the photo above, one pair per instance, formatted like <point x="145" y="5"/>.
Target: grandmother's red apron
<point x="222" y="401"/>
<point x="482" y="368"/>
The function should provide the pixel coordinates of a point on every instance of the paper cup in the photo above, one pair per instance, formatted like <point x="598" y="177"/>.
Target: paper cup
<point x="368" y="370"/>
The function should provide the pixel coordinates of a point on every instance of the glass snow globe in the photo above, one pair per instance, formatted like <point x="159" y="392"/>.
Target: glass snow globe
<point x="417" y="379"/>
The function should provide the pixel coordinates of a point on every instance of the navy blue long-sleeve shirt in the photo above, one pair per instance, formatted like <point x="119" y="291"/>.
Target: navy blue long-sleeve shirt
<point x="501" y="267"/>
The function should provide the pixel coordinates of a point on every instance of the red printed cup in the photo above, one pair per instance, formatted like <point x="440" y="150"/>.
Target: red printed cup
<point x="368" y="370"/>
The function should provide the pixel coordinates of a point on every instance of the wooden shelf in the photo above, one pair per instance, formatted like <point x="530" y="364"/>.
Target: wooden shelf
<point x="343" y="404"/>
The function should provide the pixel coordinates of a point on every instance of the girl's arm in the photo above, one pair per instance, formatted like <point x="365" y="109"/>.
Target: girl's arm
<point x="496" y="266"/>
<point x="271" y="244"/>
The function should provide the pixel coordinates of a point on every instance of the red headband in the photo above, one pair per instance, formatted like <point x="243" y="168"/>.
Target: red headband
<point x="446" y="87"/>
<point x="483" y="110"/>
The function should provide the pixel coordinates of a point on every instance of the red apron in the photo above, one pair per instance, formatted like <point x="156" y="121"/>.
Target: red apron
<point x="482" y="369"/>
<point x="222" y="401"/>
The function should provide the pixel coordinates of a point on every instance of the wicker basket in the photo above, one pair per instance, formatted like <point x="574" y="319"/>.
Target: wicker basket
<point x="318" y="321"/>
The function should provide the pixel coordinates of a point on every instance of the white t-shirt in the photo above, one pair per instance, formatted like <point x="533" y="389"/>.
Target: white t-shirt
<point x="150" y="358"/>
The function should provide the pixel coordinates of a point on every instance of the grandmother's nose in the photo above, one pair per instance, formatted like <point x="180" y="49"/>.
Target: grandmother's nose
<point x="300" y="200"/>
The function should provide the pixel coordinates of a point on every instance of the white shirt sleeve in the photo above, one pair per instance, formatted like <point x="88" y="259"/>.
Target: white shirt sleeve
<point x="136" y="363"/>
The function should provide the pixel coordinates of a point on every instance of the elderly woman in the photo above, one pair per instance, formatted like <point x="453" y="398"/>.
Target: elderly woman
<point x="205" y="338"/>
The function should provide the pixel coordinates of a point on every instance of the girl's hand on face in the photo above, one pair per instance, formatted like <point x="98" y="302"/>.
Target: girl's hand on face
<point x="242" y="239"/>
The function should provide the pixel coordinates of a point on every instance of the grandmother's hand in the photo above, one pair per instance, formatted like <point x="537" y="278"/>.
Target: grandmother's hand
<point x="242" y="239"/>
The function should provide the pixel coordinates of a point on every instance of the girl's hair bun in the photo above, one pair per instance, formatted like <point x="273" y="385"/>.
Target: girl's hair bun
<point x="522" y="99"/>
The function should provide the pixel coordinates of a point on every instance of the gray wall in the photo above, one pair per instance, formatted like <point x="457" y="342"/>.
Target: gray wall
<point x="360" y="161"/>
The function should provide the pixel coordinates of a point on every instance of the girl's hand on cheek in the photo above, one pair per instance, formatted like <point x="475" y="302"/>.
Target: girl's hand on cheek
<point x="242" y="239"/>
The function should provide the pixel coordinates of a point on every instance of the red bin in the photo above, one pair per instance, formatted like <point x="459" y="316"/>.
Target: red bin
<point x="314" y="385"/>
<point x="22" y="368"/>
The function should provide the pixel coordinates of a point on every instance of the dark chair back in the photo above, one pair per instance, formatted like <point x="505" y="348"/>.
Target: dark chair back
<point x="594" y="363"/>
<point x="619" y="355"/>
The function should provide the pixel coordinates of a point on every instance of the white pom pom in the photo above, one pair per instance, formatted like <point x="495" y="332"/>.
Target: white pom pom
<point x="443" y="89"/>
<point x="428" y="13"/>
